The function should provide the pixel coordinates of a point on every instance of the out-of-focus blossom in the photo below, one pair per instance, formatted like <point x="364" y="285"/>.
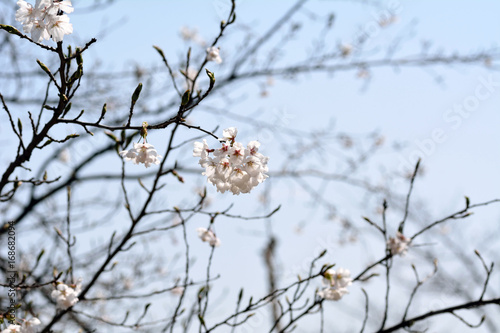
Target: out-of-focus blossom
<point x="29" y="325"/>
<point x="213" y="54"/>
<point x="65" y="296"/>
<point x="12" y="329"/>
<point x="191" y="34"/>
<point x="336" y="283"/>
<point x="346" y="50"/>
<point x="399" y="244"/>
<point x="332" y="294"/>
<point x="177" y="290"/>
<point x="208" y="236"/>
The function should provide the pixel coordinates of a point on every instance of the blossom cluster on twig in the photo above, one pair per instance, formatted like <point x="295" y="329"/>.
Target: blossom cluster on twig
<point x="399" y="244"/>
<point x="28" y="326"/>
<point x="208" y="236"/>
<point x="336" y="283"/>
<point x="144" y="153"/>
<point x="233" y="167"/>
<point x="66" y="296"/>
<point x="46" y="19"/>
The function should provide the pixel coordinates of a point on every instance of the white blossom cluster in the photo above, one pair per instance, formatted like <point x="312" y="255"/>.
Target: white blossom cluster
<point x="28" y="326"/>
<point x="191" y="34"/>
<point x="208" y="236"/>
<point x="142" y="153"/>
<point x="399" y="244"/>
<point x="213" y="54"/>
<point x="66" y="296"/>
<point x="346" y="50"/>
<point x="232" y="167"/>
<point x="45" y="19"/>
<point x="336" y="283"/>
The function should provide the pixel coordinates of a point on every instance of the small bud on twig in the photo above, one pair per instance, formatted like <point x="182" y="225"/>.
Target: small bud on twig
<point x="44" y="67"/>
<point x="185" y="97"/>
<point x="136" y="94"/>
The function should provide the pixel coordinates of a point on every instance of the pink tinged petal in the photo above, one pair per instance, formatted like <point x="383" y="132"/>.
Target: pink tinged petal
<point x="27" y="27"/>
<point x="25" y="12"/>
<point x="66" y="6"/>
<point x="230" y="133"/>
<point x="39" y="31"/>
<point x="59" y="27"/>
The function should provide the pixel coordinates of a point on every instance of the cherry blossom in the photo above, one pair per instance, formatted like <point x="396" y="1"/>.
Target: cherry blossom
<point x="59" y="26"/>
<point x="201" y="149"/>
<point x="340" y="278"/>
<point x="65" y="296"/>
<point x="64" y="155"/>
<point x="213" y="55"/>
<point x="208" y="236"/>
<point x="229" y="134"/>
<point x="177" y="290"/>
<point x="142" y="153"/>
<point x="25" y="13"/>
<point x="45" y="19"/>
<point x="336" y="283"/>
<point x="332" y="294"/>
<point x="39" y="31"/>
<point x="233" y="167"/>
<point x="346" y="49"/>
<point x="189" y="34"/>
<point x="64" y="6"/>
<point x="12" y="329"/>
<point x="399" y="244"/>
<point x="29" y="325"/>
